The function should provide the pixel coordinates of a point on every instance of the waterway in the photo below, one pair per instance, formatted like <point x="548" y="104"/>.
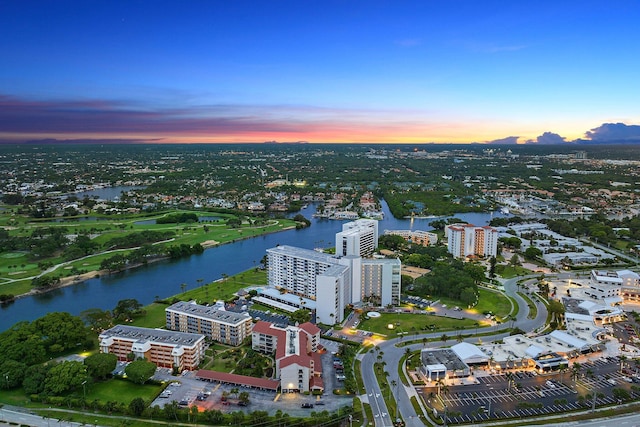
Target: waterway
<point x="163" y="279"/>
<point x="106" y="193"/>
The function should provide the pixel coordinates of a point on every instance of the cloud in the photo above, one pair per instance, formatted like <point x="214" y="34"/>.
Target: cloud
<point x="113" y="117"/>
<point x="508" y="140"/>
<point x="548" y="138"/>
<point x="25" y="120"/>
<point x="614" y="132"/>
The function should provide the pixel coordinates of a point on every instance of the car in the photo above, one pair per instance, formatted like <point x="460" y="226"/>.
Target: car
<point x="307" y="405"/>
<point x="319" y="402"/>
<point x="242" y="403"/>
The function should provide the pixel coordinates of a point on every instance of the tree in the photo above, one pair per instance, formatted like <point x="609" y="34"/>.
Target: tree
<point x="34" y="377"/>
<point x="64" y="377"/>
<point x="126" y="309"/>
<point x="137" y="406"/>
<point x="300" y="316"/>
<point x="532" y="253"/>
<point x="61" y="330"/>
<point x="139" y="371"/>
<point x="100" y="365"/>
<point x="171" y="410"/>
<point x="244" y="397"/>
<point x="96" y="319"/>
<point x="12" y="374"/>
<point x="492" y="267"/>
<point x="515" y="260"/>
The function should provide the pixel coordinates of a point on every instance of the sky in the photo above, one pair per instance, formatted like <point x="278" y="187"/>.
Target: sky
<point x="406" y="71"/>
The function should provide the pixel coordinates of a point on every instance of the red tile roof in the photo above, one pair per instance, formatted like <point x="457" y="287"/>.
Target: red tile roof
<point x="310" y="328"/>
<point x="316" y="383"/>
<point x="237" y="379"/>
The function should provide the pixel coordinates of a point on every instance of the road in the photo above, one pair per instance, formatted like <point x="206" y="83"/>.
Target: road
<point x="391" y="355"/>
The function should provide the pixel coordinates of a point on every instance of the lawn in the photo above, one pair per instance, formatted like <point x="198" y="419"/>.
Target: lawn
<point x="155" y="317"/>
<point x="118" y="390"/>
<point x="413" y="323"/>
<point x="510" y="271"/>
<point x="488" y="300"/>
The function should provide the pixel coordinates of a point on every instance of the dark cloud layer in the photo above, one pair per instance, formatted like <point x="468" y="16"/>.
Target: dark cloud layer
<point x="548" y="138"/>
<point x="614" y="132"/>
<point x="508" y="140"/>
<point x="19" y="116"/>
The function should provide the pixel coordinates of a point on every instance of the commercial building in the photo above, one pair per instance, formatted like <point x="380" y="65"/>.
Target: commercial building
<point x="167" y="349"/>
<point x="467" y="240"/>
<point x="295" y="349"/>
<point x="622" y="284"/>
<point x="213" y="321"/>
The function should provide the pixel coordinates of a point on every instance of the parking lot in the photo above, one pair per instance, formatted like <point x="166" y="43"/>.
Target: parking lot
<point x="524" y="394"/>
<point x="188" y="391"/>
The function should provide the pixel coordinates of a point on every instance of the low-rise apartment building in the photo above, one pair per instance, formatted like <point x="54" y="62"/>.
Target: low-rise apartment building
<point x="167" y="349"/>
<point x="213" y="321"/>
<point x="295" y="349"/>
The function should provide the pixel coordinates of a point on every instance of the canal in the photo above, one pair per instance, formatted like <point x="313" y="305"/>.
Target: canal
<point x="163" y="279"/>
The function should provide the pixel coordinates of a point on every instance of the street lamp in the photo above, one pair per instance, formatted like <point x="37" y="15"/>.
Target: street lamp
<point x="84" y="390"/>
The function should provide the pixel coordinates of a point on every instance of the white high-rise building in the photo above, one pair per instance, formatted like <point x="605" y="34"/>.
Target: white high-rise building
<point x="333" y="281"/>
<point x="381" y="279"/>
<point x="314" y="275"/>
<point x="465" y="240"/>
<point x="296" y="269"/>
<point x="358" y="238"/>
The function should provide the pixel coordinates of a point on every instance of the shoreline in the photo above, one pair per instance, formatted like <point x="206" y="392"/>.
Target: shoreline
<point x="80" y="278"/>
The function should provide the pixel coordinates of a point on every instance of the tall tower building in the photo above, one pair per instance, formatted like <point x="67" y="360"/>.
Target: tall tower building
<point x="359" y="238"/>
<point x="465" y="240"/>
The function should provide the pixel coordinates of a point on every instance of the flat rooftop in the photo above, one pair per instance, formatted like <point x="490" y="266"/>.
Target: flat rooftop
<point x="162" y="336"/>
<point x="213" y="313"/>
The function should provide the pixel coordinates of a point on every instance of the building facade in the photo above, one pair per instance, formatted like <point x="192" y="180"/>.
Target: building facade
<point x="418" y="237"/>
<point x="359" y="238"/>
<point x="166" y="349"/>
<point x="465" y="240"/>
<point x="295" y="349"/>
<point x="214" y="322"/>
<point x="296" y="269"/>
<point x="381" y="279"/>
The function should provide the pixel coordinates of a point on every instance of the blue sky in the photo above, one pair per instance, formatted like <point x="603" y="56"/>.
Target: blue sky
<point x="324" y="71"/>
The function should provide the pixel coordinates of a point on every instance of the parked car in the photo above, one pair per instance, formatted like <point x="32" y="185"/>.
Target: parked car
<point x="307" y="405"/>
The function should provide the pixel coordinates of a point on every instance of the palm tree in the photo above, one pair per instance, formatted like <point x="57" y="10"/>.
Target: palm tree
<point x="623" y="359"/>
<point x="183" y="286"/>
<point x="394" y="384"/>
<point x="562" y="368"/>
<point x="575" y="370"/>
<point x="444" y="338"/>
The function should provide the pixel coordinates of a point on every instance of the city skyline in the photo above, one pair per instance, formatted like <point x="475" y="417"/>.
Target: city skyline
<point x="376" y="71"/>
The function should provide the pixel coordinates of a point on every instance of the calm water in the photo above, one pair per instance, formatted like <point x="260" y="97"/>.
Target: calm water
<point x="109" y="193"/>
<point x="163" y="279"/>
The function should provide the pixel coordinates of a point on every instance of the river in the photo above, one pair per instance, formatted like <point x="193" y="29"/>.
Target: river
<point x="163" y="279"/>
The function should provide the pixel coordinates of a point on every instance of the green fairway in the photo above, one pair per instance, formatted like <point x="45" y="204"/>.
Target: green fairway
<point x="17" y="268"/>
